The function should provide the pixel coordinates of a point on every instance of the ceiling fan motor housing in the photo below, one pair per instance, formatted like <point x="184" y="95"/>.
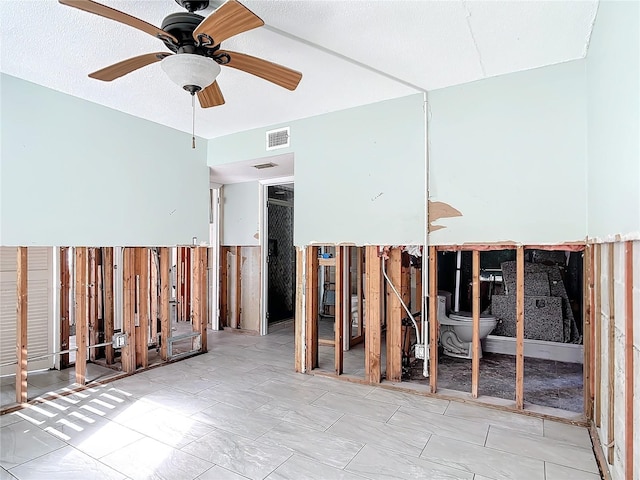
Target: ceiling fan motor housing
<point x="181" y="25"/>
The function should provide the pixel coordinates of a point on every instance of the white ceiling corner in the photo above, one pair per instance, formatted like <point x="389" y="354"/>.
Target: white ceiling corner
<point x="351" y="52"/>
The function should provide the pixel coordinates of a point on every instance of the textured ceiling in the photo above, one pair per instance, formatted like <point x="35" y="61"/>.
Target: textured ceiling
<point x="350" y="53"/>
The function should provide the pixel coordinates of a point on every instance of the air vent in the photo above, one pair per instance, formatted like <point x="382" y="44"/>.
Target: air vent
<point x="264" y="165"/>
<point x="278" y="138"/>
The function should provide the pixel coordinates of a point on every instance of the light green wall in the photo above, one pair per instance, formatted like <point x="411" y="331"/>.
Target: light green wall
<point x="613" y="79"/>
<point x="240" y="214"/>
<point x="77" y="173"/>
<point x="509" y="153"/>
<point x="359" y="173"/>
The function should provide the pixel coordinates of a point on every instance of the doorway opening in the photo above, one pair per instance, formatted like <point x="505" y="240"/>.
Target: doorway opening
<point x="280" y="255"/>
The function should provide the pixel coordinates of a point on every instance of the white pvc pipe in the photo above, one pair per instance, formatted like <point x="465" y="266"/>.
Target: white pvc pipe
<point x="456" y="300"/>
<point x="415" y="325"/>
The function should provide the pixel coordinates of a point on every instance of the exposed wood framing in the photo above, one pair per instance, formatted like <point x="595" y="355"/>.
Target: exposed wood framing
<point x="224" y="287"/>
<point x="520" y="328"/>
<point x="184" y="283"/>
<point x="81" y="313"/>
<point x="611" y="353"/>
<point x="107" y="269"/>
<point x="128" y="354"/>
<point x="587" y="332"/>
<point x="339" y="309"/>
<point x="204" y="298"/>
<point x="598" y="334"/>
<point x="178" y="278"/>
<point x="93" y="302"/>
<point x="394" y="321"/>
<point x="311" y="307"/>
<point x="373" y="338"/>
<point x="165" y="283"/>
<point x="475" y="344"/>
<point x="299" y="313"/>
<point x="359" y="337"/>
<point x="200" y="295"/>
<point x="419" y="306"/>
<point x="628" y="362"/>
<point x="188" y="272"/>
<point x="142" y="334"/>
<point x="153" y="295"/>
<point x="65" y="290"/>
<point x="565" y="247"/>
<point x="433" y="322"/>
<point x="238" y="289"/>
<point x="22" y="286"/>
<point x="405" y="293"/>
<point x="346" y="299"/>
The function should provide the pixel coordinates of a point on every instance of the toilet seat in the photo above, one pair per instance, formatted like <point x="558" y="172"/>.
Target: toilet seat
<point x="468" y="316"/>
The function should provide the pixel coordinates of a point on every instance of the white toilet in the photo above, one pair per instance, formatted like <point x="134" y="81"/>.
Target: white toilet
<point x="456" y="329"/>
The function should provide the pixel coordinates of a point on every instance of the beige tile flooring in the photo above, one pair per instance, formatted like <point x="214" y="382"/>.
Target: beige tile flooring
<point x="241" y="412"/>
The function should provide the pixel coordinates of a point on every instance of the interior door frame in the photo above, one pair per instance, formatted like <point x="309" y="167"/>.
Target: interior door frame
<point x="263" y="228"/>
<point x="214" y="255"/>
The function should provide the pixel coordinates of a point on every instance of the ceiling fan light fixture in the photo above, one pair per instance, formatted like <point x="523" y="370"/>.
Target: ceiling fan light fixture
<point x="190" y="71"/>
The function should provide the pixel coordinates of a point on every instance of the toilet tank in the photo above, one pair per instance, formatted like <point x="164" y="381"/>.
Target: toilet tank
<point x="444" y="303"/>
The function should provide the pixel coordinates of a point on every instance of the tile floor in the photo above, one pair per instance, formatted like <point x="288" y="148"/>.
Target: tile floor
<point x="240" y="412"/>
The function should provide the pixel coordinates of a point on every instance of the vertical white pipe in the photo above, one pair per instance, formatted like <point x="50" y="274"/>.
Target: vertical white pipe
<point x="425" y="249"/>
<point x="456" y="307"/>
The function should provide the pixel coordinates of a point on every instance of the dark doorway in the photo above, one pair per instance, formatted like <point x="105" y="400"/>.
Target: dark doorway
<point x="281" y="258"/>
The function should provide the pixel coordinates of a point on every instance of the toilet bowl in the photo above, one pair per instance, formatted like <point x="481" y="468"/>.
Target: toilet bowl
<point x="456" y="329"/>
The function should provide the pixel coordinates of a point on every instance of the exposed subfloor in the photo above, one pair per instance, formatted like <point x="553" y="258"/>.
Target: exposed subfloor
<point x="241" y="412"/>
<point x="546" y="382"/>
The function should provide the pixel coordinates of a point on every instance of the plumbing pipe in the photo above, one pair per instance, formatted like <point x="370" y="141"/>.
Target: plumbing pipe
<point x="415" y="325"/>
<point x="456" y="307"/>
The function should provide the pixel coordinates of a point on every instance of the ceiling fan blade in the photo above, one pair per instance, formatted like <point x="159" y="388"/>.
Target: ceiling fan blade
<point x="113" y="14"/>
<point x="228" y="20"/>
<point x="211" y="96"/>
<point x="272" y="72"/>
<point x="119" y="69"/>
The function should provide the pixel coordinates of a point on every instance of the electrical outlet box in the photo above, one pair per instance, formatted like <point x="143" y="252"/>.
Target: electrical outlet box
<point x="420" y="352"/>
<point x="119" y="340"/>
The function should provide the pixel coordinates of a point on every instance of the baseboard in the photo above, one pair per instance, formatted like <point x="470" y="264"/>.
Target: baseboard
<point x="560" y="352"/>
<point x="599" y="452"/>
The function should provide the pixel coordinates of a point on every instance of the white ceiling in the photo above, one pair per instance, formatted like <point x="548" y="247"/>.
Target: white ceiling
<point x="350" y="52"/>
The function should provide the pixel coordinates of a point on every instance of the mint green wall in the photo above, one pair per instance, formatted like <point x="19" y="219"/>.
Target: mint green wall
<point x="613" y="79"/>
<point x="77" y="173"/>
<point x="509" y="153"/>
<point x="240" y="214"/>
<point x="359" y="173"/>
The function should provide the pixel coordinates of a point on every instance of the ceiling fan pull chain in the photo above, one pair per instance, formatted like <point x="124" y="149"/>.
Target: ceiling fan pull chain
<point x="193" y="123"/>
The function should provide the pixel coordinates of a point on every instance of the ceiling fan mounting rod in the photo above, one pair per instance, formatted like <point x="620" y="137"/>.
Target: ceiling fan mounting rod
<point x="193" y="5"/>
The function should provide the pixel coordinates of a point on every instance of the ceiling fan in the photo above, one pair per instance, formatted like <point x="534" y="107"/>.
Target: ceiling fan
<point x="195" y="43"/>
